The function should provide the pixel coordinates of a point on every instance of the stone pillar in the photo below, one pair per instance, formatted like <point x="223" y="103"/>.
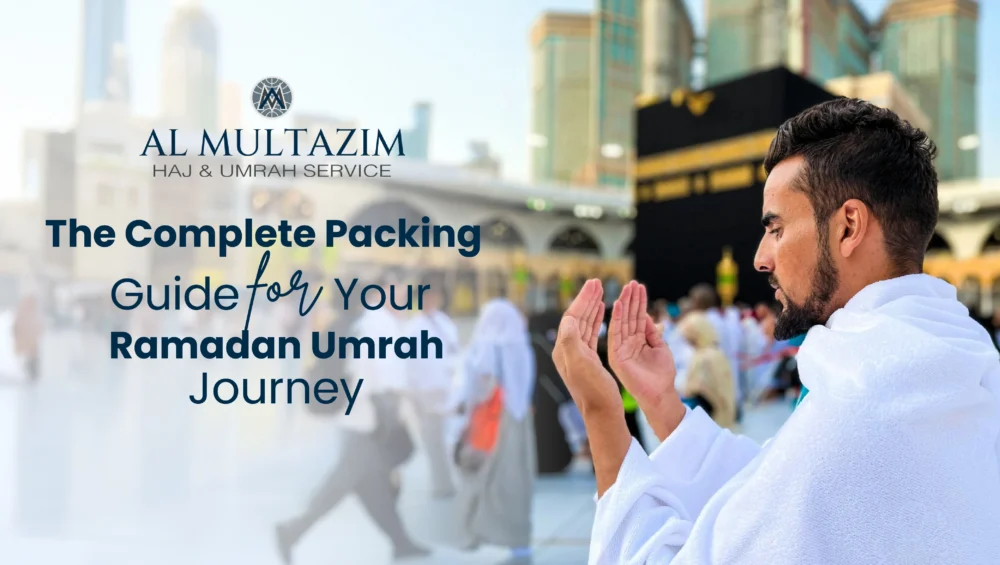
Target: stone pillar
<point x="966" y="239"/>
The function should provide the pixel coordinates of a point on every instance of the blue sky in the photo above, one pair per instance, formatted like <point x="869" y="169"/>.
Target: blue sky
<point x="369" y="61"/>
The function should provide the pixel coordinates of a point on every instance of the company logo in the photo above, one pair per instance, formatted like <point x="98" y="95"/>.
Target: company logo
<point x="272" y="97"/>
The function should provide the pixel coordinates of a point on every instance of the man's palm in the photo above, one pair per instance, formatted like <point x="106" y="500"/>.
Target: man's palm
<point x="575" y="352"/>
<point x="636" y="351"/>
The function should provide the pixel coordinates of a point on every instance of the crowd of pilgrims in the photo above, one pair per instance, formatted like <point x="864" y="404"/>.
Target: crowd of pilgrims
<point x="498" y="382"/>
<point x="727" y="358"/>
<point x="498" y="388"/>
<point x="485" y="380"/>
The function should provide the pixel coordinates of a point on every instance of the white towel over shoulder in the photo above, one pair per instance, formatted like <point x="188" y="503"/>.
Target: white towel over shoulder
<point x="891" y="458"/>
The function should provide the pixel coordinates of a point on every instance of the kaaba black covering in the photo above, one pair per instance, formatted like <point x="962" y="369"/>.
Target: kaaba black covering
<point x="680" y="238"/>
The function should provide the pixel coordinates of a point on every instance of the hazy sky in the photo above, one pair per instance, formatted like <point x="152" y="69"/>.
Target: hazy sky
<point x="364" y="60"/>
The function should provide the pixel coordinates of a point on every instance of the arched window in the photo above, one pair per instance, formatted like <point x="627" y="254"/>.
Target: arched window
<point x="388" y="212"/>
<point x="575" y="240"/>
<point x="993" y="242"/>
<point x="501" y="233"/>
<point x="938" y="245"/>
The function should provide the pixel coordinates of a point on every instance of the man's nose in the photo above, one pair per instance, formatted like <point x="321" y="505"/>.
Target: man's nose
<point x="763" y="261"/>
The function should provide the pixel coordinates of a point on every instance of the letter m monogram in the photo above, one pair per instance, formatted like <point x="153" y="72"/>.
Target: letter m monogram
<point x="271" y="98"/>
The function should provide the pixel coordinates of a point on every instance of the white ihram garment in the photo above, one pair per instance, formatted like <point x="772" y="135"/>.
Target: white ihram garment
<point x="431" y="380"/>
<point x="500" y="349"/>
<point x="891" y="458"/>
<point x="681" y="351"/>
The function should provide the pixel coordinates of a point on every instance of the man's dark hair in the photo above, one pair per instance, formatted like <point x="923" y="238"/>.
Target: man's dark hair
<point x="856" y="150"/>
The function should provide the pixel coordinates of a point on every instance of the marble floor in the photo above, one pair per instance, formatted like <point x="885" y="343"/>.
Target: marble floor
<point x="107" y="463"/>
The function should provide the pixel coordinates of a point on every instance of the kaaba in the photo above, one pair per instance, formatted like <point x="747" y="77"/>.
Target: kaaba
<point x="700" y="179"/>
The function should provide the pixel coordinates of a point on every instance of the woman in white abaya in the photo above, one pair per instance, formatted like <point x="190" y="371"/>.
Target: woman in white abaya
<point x="496" y="498"/>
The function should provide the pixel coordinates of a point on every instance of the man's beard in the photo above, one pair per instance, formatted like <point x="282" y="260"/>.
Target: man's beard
<point x="795" y="319"/>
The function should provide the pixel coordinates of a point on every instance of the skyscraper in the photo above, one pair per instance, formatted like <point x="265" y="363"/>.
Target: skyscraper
<point x="883" y="90"/>
<point x="820" y="39"/>
<point x="667" y="48"/>
<point x="190" y="68"/>
<point x="854" y="40"/>
<point x="561" y="96"/>
<point x="416" y="140"/>
<point x="930" y="45"/>
<point x="50" y="177"/>
<point x="232" y="100"/>
<point x="589" y="71"/>
<point x="103" y="30"/>
<point x="744" y="36"/>
<point x="615" y="37"/>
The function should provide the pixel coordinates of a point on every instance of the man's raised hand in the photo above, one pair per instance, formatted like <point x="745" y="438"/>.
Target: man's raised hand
<point x="575" y="352"/>
<point x="642" y="361"/>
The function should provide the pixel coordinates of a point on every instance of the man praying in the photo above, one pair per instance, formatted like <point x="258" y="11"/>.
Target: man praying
<point x="891" y="457"/>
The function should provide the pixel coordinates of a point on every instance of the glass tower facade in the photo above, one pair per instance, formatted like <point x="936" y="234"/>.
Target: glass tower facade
<point x="739" y="41"/>
<point x="103" y="28"/>
<point x="560" y="90"/>
<point x="820" y="39"/>
<point x="190" y="70"/>
<point x="417" y="139"/>
<point x="931" y="48"/>
<point x="854" y="44"/>
<point x="616" y="84"/>
<point x="587" y="79"/>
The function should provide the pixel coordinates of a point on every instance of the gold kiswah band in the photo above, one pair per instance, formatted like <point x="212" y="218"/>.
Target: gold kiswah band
<point x="750" y="147"/>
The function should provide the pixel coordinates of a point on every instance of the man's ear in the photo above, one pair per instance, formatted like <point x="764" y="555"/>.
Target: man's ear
<point x="852" y="221"/>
